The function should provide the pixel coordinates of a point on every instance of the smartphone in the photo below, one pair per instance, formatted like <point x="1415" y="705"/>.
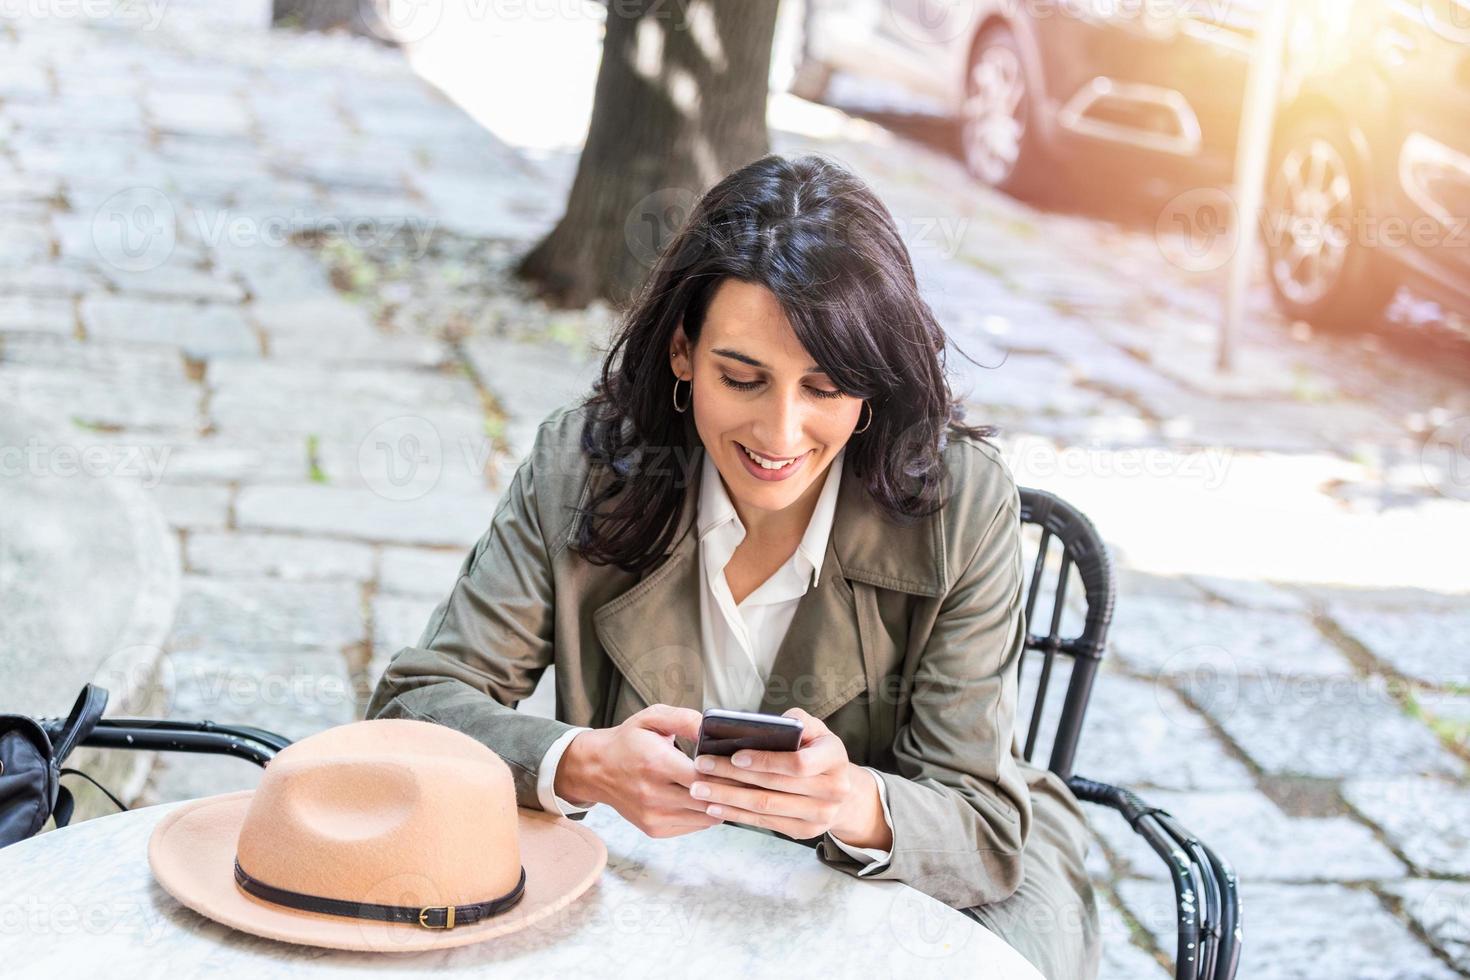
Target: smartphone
<point x="724" y="732"/>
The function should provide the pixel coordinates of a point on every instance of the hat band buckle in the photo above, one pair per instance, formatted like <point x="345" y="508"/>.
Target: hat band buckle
<point x="448" y="917"/>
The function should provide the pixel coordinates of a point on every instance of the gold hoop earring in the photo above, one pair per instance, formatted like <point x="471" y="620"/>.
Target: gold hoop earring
<point x="867" y="423"/>
<point x="677" y="406"/>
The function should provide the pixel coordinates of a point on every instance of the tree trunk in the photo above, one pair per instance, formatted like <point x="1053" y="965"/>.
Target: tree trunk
<point x="680" y="102"/>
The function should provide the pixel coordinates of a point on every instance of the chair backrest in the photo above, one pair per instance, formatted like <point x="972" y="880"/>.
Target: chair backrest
<point x="1081" y="554"/>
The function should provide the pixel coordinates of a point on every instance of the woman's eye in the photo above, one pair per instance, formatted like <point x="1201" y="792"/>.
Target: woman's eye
<point x="730" y="382"/>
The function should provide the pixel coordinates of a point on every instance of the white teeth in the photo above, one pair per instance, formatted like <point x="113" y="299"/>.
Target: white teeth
<point x="767" y="465"/>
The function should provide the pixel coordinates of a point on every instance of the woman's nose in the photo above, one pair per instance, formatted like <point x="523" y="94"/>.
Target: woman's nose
<point x="784" y="421"/>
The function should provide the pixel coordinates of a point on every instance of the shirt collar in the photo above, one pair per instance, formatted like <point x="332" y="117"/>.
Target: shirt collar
<point x="716" y="510"/>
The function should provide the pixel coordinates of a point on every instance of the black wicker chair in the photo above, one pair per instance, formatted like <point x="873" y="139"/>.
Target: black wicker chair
<point x="1205" y="887"/>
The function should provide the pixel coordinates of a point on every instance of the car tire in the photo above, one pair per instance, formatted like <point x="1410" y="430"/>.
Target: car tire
<point x="997" y="132"/>
<point x="1320" y="269"/>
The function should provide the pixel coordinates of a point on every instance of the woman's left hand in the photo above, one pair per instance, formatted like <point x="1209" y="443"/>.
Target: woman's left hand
<point x="802" y="793"/>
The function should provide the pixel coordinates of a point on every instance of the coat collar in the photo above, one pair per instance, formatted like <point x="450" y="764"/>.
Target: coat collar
<point x="651" y="631"/>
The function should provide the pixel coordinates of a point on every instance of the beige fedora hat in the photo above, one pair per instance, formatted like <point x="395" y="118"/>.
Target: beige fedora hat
<point x="387" y="835"/>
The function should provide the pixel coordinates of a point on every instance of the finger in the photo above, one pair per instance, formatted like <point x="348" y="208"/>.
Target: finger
<point x="823" y="753"/>
<point x="754" y="799"/>
<point x="796" y="829"/>
<point x="669" y="720"/>
<point x="725" y="772"/>
<point x="812" y="727"/>
<point x="675" y="798"/>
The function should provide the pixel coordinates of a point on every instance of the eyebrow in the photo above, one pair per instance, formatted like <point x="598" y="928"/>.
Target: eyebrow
<point x="747" y="359"/>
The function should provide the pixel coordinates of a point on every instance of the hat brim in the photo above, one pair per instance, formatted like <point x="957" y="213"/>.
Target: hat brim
<point x="192" y="854"/>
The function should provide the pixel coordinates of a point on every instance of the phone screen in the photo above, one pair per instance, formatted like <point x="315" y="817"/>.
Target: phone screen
<point x="726" y="733"/>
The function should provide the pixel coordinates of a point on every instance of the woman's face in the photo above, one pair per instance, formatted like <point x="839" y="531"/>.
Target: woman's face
<point x="755" y="388"/>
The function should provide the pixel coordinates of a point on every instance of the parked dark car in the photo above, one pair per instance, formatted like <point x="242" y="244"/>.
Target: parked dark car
<point x="1369" y="181"/>
<point x="1081" y="91"/>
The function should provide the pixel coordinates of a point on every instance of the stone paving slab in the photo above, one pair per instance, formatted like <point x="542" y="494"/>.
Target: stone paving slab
<point x="1427" y="820"/>
<point x="253" y="616"/>
<point x="399" y="621"/>
<point x="1140" y="734"/>
<point x="1304" y="932"/>
<point x="295" y="559"/>
<point x="199" y="330"/>
<point x="1442" y="910"/>
<point x="1260" y="841"/>
<point x="441" y="518"/>
<point x="194" y="507"/>
<point x="1121" y="959"/>
<point x="1337" y="728"/>
<point x="1426" y="645"/>
<point x="1167" y="637"/>
<point x="419" y="572"/>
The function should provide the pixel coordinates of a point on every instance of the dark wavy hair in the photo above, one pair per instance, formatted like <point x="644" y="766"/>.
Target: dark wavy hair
<point x="817" y="237"/>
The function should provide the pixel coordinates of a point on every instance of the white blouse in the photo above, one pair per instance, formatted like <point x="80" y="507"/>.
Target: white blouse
<point x="740" y="641"/>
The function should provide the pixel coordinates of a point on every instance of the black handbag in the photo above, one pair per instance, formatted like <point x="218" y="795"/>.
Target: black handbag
<point x="31" y="771"/>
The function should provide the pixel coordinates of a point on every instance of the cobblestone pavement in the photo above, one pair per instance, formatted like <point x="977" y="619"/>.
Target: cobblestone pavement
<point x="266" y="276"/>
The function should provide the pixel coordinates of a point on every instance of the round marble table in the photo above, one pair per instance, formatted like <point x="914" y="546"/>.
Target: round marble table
<point x="721" y="902"/>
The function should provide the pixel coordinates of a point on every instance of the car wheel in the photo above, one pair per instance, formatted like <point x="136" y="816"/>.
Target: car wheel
<point x="996" y="135"/>
<point x="1320" y="269"/>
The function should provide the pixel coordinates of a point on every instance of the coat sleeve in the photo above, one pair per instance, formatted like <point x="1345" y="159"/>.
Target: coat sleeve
<point x="960" y="803"/>
<point x="488" y="643"/>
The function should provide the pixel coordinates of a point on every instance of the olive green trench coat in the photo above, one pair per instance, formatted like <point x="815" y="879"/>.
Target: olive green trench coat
<point x="907" y="649"/>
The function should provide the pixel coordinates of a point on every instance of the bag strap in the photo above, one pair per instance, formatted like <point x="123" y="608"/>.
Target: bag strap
<point x="80" y="723"/>
<point x="77" y="772"/>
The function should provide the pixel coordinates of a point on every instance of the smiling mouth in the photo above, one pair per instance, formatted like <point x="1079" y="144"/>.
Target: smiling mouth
<point x="768" y="462"/>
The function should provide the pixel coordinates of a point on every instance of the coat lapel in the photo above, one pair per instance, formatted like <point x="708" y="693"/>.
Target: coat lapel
<point x="652" y="631"/>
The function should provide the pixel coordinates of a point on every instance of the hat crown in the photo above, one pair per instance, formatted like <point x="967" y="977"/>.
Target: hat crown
<point x="389" y="810"/>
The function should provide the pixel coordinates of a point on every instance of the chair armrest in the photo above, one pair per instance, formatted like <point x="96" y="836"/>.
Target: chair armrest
<point x="172" y="735"/>
<point x="1206" y="890"/>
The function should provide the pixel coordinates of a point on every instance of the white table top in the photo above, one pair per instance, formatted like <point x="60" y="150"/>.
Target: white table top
<point x="720" y="902"/>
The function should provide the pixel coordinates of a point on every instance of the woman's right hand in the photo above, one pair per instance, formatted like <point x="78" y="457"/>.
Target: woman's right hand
<point x="637" y="770"/>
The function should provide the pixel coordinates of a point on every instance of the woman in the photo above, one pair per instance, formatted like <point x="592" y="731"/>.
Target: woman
<point x="769" y="503"/>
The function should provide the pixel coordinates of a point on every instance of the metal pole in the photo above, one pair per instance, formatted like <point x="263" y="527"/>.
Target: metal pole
<point x="1252" y="157"/>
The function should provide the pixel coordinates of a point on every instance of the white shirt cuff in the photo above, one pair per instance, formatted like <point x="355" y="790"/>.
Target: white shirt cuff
<point x="875" y="858"/>
<point x="546" y="777"/>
